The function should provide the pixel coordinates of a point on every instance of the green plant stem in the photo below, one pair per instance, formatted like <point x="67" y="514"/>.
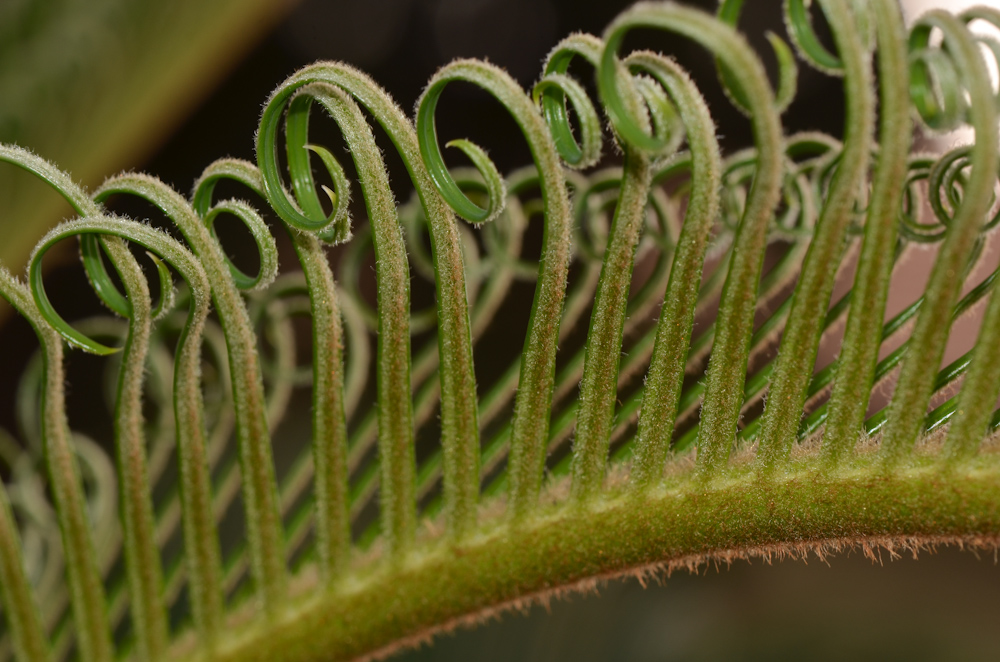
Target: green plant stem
<point x="199" y="526"/>
<point x="202" y="553"/>
<point x="734" y="323"/>
<point x="598" y="386"/>
<point x="800" y="338"/>
<point x="16" y="595"/>
<point x="982" y="381"/>
<point x="142" y="558"/>
<point x="200" y="534"/>
<point x="916" y="378"/>
<point x="665" y="377"/>
<point x="395" y="407"/>
<point x="863" y="335"/>
<point x="534" y="396"/>
<point x="459" y="419"/>
<point x="328" y="412"/>
<point x="260" y="495"/>
<point x="85" y="587"/>
<point x="668" y="527"/>
<point x="330" y="440"/>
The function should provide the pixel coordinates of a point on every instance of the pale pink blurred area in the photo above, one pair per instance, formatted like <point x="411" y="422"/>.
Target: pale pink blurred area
<point x="913" y="270"/>
<point x="913" y="8"/>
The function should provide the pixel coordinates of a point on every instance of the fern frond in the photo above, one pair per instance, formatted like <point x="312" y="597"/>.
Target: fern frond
<point x="445" y="490"/>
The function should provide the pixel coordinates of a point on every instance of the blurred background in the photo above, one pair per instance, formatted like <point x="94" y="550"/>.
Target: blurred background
<point x="98" y="86"/>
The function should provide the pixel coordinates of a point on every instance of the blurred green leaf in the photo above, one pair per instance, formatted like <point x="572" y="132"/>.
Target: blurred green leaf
<point x="95" y="85"/>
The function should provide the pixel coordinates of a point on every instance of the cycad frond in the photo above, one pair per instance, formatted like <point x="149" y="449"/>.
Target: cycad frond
<point x="590" y="453"/>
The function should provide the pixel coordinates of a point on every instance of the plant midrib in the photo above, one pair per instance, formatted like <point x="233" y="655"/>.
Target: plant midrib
<point x="387" y="605"/>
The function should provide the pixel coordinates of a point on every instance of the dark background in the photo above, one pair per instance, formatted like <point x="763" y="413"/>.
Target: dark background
<point x="400" y="43"/>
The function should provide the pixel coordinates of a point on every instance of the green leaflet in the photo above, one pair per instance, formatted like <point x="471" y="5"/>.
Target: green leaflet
<point x="440" y="477"/>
